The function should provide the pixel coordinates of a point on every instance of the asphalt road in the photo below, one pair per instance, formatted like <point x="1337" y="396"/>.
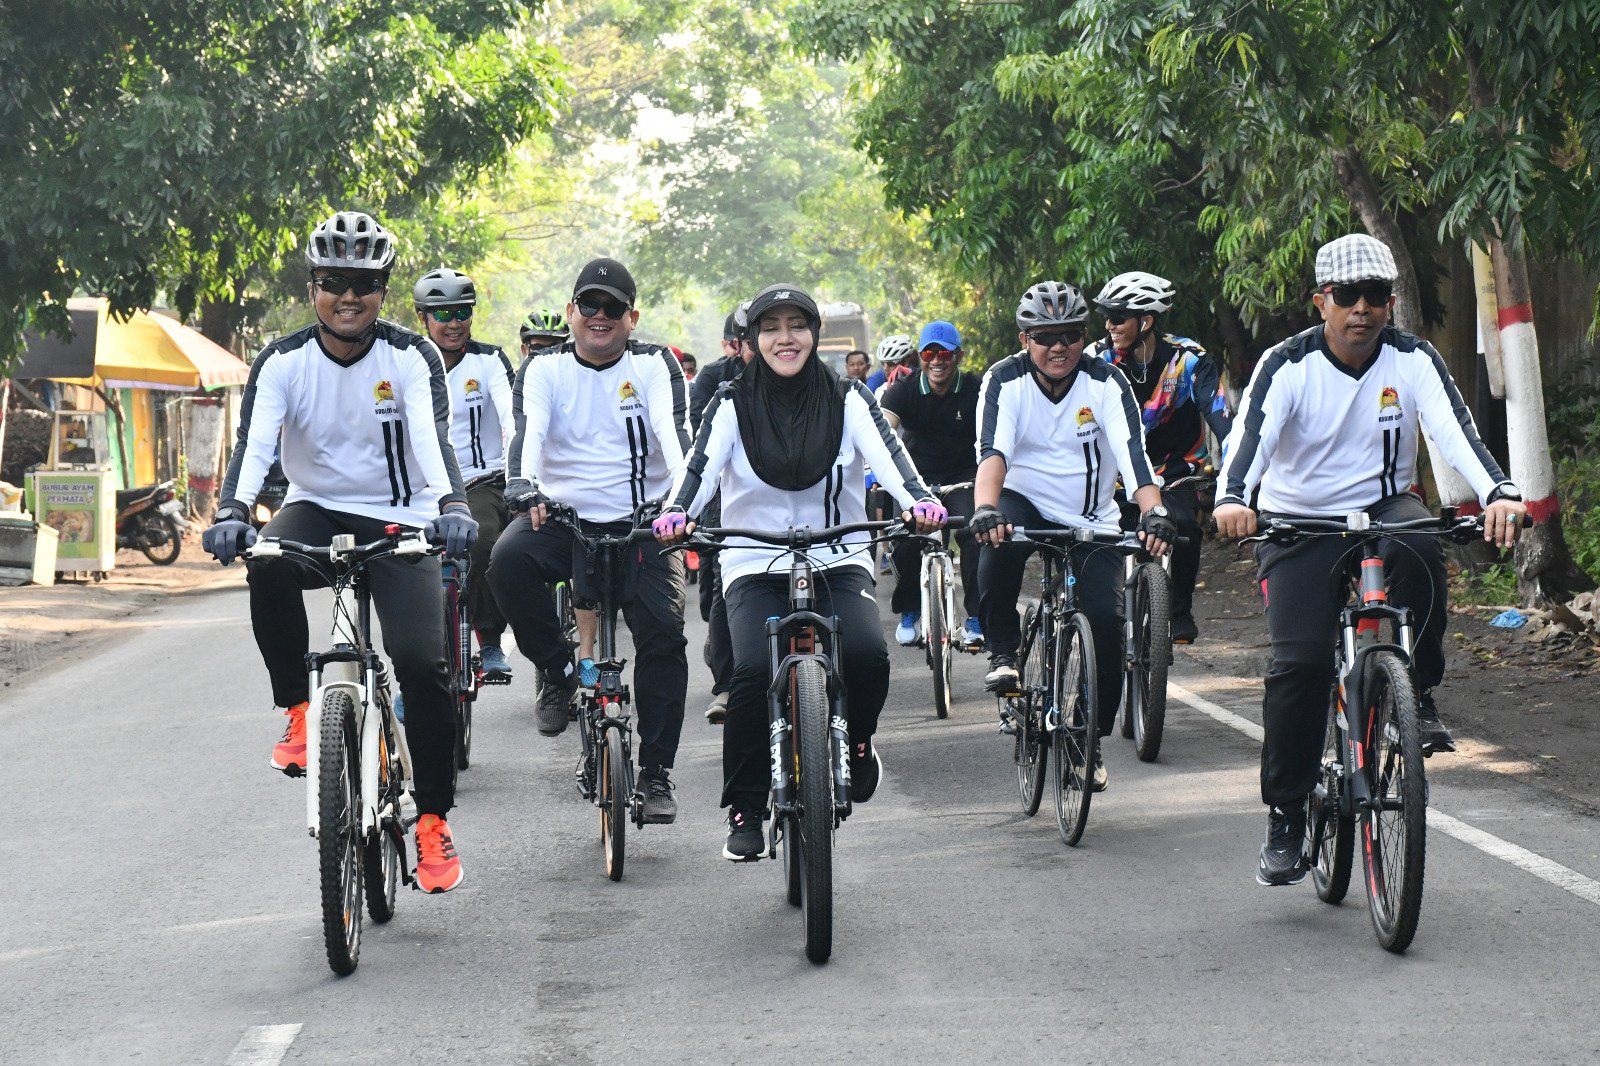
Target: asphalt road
<point x="162" y="901"/>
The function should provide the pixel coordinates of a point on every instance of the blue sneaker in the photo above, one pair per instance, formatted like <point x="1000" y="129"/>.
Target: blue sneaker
<point x="972" y="632"/>
<point x="496" y="667"/>
<point x="400" y="707"/>
<point x="588" y="673"/>
<point x="906" y="631"/>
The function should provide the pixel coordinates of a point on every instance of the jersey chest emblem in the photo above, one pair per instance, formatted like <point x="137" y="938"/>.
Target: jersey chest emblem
<point x="629" y="397"/>
<point x="383" y="391"/>
<point x="470" y="387"/>
<point x="1389" y="404"/>
<point x="383" y="402"/>
<point x="1086" y="422"/>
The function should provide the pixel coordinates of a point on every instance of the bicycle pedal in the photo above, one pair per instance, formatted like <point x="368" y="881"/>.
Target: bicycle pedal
<point x="495" y="679"/>
<point x="1008" y="729"/>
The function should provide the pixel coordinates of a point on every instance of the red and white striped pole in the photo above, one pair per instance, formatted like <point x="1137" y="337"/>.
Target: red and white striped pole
<point x="1526" y="437"/>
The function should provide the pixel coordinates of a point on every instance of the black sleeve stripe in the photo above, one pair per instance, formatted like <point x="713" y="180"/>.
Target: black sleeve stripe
<point x="1105" y="371"/>
<point x="230" y="481"/>
<point x="505" y="362"/>
<point x="694" y="470"/>
<point x="441" y="418"/>
<point x="519" y="419"/>
<point x="891" y="440"/>
<point x="994" y="380"/>
<point x="680" y="396"/>
<point x="1463" y="414"/>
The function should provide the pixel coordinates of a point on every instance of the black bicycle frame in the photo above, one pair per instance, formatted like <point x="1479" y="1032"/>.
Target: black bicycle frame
<point x="1358" y="623"/>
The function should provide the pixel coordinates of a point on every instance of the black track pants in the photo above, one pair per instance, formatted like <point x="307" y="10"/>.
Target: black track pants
<point x="907" y="595"/>
<point x="488" y="503"/>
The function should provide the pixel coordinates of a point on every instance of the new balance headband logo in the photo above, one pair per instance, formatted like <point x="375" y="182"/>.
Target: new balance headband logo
<point x="782" y="296"/>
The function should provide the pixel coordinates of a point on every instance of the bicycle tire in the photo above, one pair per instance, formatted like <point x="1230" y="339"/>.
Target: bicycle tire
<point x="614" y="803"/>
<point x="1077" y="729"/>
<point x="172" y="539"/>
<point x="339" y="830"/>
<point x="1153" y="626"/>
<point x="1032" y="755"/>
<point x="380" y="853"/>
<point x="1330" y="832"/>
<point x="458" y="633"/>
<point x="937" y="631"/>
<point x="793" y="865"/>
<point x="567" y="615"/>
<point x="816" y="819"/>
<point x="1393" y="832"/>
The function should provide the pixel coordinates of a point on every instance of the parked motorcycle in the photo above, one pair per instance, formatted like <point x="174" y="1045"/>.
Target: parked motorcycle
<point x="150" y="519"/>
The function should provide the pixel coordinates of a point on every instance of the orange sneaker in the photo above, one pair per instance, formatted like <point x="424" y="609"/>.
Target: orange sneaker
<point x="290" y="754"/>
<point x="438" y="869"/>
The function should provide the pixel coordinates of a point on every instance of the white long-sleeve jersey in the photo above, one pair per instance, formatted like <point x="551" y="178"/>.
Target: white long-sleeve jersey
<point x="1322" y="440"/>
<point x="1057" y="451"/>
<point x="480" y="410"/>
<point x="719" y="460"/>
<point x="602" y="440"/>
<point x="368" y="437"/>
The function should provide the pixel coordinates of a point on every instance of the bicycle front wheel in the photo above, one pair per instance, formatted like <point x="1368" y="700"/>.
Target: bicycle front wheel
<point x="816" y="818"/>
<point x="1076" y="731"/>
<point x="1032" y="753"/>
<point x="938" y="634"/>
<point x="614" y="803"/>
<point x="1394" y="828"/>
<point x="381" y="853"/>
<point x="1331" y="832"/>
<point x="1147" y="685"/>
<point x="339" y="830"/>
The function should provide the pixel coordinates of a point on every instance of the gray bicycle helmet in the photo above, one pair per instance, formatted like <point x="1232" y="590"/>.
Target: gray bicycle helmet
<point x="1051" y="303"/>
<point x="1136" y="291"/>
<point x="444" y="288"/>
<point x="351" y="240"/>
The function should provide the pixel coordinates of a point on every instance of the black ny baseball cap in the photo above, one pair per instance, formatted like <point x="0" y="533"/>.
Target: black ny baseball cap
<point x="607" y="275"/>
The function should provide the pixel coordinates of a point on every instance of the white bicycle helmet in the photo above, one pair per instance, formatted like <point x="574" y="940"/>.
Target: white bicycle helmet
<point x="351" y="240"/>
<point x="1051" y="303"/>
<point x="1136" y="291"/>
<point x="894" y="348"/>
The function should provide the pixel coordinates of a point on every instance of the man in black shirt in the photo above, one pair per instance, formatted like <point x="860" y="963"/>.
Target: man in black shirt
<point x="938" y="410"/>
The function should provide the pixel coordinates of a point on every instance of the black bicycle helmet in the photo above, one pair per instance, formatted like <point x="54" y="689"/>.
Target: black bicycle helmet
<point x="1051" y="303"/>
<point x="444" y="288"/>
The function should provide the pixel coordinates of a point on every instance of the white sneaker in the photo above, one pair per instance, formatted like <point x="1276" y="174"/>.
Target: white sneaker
<point x="906" y="631"/>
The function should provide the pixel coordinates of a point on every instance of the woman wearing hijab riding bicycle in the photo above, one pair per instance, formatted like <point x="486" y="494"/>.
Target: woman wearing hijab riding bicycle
<point x="786" y="441"/>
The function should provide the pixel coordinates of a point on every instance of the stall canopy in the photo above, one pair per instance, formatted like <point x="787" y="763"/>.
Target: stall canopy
<point x="148" y="351"/>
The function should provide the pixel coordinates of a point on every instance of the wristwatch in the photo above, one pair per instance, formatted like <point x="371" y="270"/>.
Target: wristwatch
<point x="230" y="511"/>
<point x="1159" y="511"/>
<point x="1506" y="491"/>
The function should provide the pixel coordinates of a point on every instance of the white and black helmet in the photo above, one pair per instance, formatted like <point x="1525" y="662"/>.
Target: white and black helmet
<point x="894" y="348"/>
<point x="1051" y="303"/>
<point x="444" y="288"/>
<point x="351" y="240"/>
<point x="1136" y="291"/>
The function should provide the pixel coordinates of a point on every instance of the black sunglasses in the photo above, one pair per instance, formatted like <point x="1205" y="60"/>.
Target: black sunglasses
<point x="1066" y="338"/>
<point x="1117" y="318"/>
<point x="589" y="306"/>
<point x="1377" y="293"/>
<point x="339" y="284"/>
<point x="447" y="314"/>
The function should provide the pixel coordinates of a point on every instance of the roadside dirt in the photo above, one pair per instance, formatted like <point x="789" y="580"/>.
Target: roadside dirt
<point x="1519" y="707"/>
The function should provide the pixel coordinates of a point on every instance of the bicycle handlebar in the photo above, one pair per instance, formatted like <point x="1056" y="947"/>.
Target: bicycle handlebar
<point x="801" y="538"/>
<point x="564" y="515"/>
<point x="1047" y="537"/>
<point x="410" y="542"/>
<point x="1460" y="528"/>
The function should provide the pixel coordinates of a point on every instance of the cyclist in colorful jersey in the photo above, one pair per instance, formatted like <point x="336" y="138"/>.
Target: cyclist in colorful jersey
<point x="894" y="352"/>
<point x="1177" y="386"/>
<point x="937" y="411"/>
<point x="785" y="442"/>
<point x="601" y="426"/>
<point x="479" y="379"/>
<point x="1329" y="426"/>
<point x="1055" y="430"/>
<point x="543" y="328"/>
<point x="363" y="411"/>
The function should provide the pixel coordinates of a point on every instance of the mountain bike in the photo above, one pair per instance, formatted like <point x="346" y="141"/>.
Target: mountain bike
<point x="466" y="666"/>
<point x="940" y="635"/>
<point x="358" y="768"/>
<point x="605" y="775"/>
<point x="808" y="727"/>
<point x="1373" y="786"/>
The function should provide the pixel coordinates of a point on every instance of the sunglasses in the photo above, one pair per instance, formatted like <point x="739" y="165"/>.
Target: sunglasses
<point x="1376" y="293"/>
<point x="937" y="355"/>
<point x="451" y="314"/>
<point x="1066" y="338"/>
<point x="589" y="306"/>
<point x="338" y="285"/>
<point x="1117" y="318"/>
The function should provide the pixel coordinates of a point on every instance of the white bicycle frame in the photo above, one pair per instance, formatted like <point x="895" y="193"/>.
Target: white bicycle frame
<point x="941" y="559"/>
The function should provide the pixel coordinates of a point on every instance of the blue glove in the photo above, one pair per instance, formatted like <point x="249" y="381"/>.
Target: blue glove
<point x="456" y="530"/>
<point x="227" y="539"/>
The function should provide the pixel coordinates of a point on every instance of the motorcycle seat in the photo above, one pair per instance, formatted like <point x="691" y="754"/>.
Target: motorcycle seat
<point x="128" y="497"/>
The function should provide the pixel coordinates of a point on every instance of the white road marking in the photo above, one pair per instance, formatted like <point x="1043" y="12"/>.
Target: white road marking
<point x="1548" y="870"/>
<point x="263" y="1045"/>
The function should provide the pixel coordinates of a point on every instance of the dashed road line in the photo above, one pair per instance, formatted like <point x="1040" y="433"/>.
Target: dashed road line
<point x="1547" y="870"/>
<point x="263" y="1045"/>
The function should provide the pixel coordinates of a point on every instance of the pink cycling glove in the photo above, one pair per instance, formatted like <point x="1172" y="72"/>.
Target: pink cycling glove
<point x="930" y="510"/>
<point x="670" y="524"/>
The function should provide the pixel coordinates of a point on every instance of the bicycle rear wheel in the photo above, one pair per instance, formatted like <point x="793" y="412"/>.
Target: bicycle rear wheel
<point x="1032" y="754"/>
<point x="816" y="818"/>
<point x="458" y="633"/>
<point x="1394" y="829"/>
<point x="381" y="852"/>
<point x="1147" y="688"/>
<point x="613" y="803"/>
<point x="339" y="830"/>
<point x="1330" y="832"/>
<point x="567" y="615"/>
<point x="1077" y="727"/>
<point x="938" y="633"/>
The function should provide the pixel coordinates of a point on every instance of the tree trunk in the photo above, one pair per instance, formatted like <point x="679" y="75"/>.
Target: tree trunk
<point x="1240" y="350"/>
<point x="202" y="437"/>
<point x="219" y="320"/>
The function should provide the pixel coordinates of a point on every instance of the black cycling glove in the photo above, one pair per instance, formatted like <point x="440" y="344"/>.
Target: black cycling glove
<point x="984" y="519"/>
<point x="1159" y="527"/>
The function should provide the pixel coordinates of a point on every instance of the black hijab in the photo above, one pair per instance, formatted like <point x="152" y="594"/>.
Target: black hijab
<point x="790" y="427"/>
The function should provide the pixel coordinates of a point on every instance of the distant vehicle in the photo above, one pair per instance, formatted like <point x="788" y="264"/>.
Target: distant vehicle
<point x="845" y="328"/>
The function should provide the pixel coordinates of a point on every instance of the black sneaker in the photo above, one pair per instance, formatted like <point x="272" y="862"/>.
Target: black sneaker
<point x="1098" y="779"/>
<point x="1002" y="677"/>
<point x="1435" y="737"/>
<point x="1282" y="856"/>
<point x="745" y="840"/>
<point x="655" y="785"/>
<point x="866" y="770"/>
<point x="1184" y="631"/>
<point x="555" y="699"/>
